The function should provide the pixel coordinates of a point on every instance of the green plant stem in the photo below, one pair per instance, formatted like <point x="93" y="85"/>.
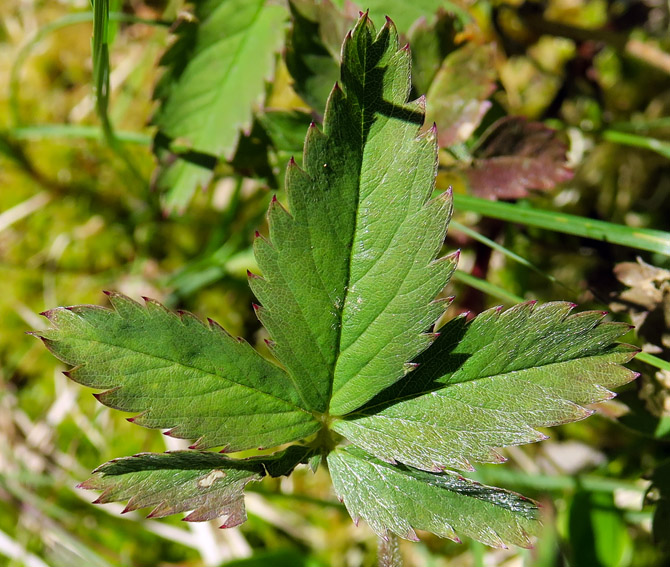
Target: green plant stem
<point x="46" y="131"/>
<point x="661" y="147"/>
<point x="556" y="483"/>
<point x="639" y="238"/>
<point x="101" y="72"/>
<point x="653" y="360"/>
<point x="642" y="125"/>
<point x="45" y="31"/>
<point x="505" y="251"/>
<point x="100" y="19"/>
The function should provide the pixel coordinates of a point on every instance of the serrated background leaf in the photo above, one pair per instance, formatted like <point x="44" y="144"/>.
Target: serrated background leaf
<point x="179" y="373"/>
<point x="216" y="73"/>
<point x="312" y="54"/>
<point x="431" y="42"/>
<point x="489" y="383"/>
<point x="457" y="97"/>
<point x="514" y="156"/>
<point x="399" y="499"/>
<point x="349" y="271"/>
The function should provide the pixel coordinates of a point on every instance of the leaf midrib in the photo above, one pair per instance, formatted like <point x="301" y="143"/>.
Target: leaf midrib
<point x="181" y="364"/>
<point x="445" y="386"/>
<point x="356" y="215"/>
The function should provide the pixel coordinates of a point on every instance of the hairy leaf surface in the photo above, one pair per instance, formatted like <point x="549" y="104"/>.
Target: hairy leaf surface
<point x="350" y="272"/>
<point x="208" y="484"/>
<point x="398" y="499"/>
<point x="489" y="383"/>
<point x="179" y="373"/>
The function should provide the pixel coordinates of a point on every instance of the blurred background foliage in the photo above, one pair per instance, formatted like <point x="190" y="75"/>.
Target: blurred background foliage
<point x="551" y="115"/>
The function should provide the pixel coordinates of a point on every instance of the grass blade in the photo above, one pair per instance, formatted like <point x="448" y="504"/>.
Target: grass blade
<point x="661" y="147"/>
<point x="653" y="360"/>
<point x="639" y="238"/>
<point x="487" y="287"/>
<point x="454" y="225"/>
<point x="46" y="131"/>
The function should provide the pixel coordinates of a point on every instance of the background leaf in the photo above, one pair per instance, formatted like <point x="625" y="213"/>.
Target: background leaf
<point x="404" y="14"/>
<point x="179" y="373"/>
<point x="431" y="42"/>
<point x="457" y="97"/>
<point x="514" y="156"/>
<point x="216" y="75"/>
<point x="313" y="48"/>
<point x="598" y="532"/>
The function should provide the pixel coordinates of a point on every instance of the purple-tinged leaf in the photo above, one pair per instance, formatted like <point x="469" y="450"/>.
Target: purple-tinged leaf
<point x="514" y="156"/>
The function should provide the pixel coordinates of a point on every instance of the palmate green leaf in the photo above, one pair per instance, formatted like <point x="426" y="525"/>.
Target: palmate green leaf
<point x="209" y="485"/>
<point x="179" y="373"/>
<point x="350" y="272"/>
<point x="215" y="74"/>
<point x="489" y="383"/>
<point x="400" y="499"/>
<point x="350" y="277"/>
